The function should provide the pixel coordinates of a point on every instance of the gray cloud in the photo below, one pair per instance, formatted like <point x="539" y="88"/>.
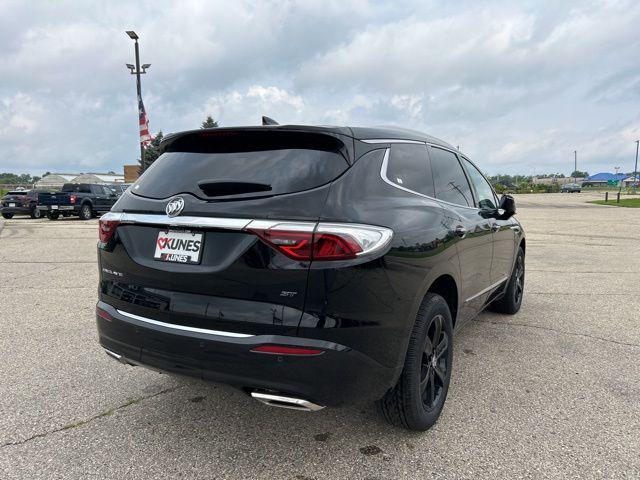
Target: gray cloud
<point x="518" y="87"/>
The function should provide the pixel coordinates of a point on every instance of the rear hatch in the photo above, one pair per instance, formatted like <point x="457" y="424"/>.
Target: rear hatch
<point x="15" y="199"/>
<point x="212" y="265"/>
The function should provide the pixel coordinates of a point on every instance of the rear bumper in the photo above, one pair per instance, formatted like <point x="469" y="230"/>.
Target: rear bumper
<point x="15" y="209"/>
<point x="338" y="376"/>
<point x="61" y="208"/>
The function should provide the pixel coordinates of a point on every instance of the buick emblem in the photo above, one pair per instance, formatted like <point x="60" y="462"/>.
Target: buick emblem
<point x="174" y="207"/>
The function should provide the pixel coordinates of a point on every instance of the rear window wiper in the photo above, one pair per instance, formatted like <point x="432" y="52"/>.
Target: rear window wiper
<point x="221" y="188"/>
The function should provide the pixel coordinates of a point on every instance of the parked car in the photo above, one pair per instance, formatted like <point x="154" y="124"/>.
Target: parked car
<point x="308" y="266"/>
<point x="120" y="188"/>
<point x="20" y="202"/>
<point x="571" y="188"/>
<point x="82" y="199"/>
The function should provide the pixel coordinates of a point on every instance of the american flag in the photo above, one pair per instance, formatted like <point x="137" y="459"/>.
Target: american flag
<point x="145" y="136"/>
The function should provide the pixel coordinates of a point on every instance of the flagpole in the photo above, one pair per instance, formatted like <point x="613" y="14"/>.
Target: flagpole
<point x="137" y="73"/>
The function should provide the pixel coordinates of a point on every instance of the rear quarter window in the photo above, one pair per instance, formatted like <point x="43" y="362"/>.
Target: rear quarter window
<point x="408" y="167"/>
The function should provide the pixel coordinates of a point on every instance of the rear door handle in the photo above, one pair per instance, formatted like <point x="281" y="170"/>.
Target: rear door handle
<point x="460" y="231"/>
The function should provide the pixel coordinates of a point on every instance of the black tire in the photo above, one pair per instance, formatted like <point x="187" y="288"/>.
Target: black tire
<point x="417" y="399"/>
<point x="35" y="213"/>
<point x="8" y="216"/>
<point x="86" y="212"/>
<point x="511" y="301"/>
<point x="53" y="215"/>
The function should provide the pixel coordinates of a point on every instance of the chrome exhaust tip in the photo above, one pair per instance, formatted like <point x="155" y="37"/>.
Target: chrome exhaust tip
<point x="116" y="356"/>
<point x="286" y="402"/>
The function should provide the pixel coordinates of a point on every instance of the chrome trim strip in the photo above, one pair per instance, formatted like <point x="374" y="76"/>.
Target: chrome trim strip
<point x="490" y="287"/>
<point x="183" y="327"/>
<point x="184" y="221"/>
<point x="286" y="402"/>
<point x="392" y="140"/>
<point x="281" y="225"/>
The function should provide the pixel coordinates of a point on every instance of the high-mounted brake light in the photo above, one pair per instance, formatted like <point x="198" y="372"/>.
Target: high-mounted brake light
<point x="284" y="350"/>
<point x="324" y="241"/>
<point x="106" y="229"/>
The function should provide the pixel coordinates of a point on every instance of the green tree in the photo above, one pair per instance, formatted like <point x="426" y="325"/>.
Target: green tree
<point x="151" y="152"/>
<point x="209" y="123"/>
<point x="579" y="174"/>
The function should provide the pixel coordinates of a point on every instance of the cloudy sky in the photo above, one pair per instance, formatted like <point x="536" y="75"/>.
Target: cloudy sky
<point x="517" y="85"/>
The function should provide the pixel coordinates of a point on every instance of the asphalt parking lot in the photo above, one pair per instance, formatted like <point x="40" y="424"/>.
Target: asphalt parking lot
<point x="551" y="392"/>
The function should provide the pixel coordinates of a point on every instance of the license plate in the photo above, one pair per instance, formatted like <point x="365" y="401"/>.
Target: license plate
<point x="54" y="207"/>
<point x="178" y="246"/>
<point x="12" y="204"/>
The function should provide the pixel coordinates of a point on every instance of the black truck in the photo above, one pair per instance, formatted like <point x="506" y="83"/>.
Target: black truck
<point x="85" y="200"/>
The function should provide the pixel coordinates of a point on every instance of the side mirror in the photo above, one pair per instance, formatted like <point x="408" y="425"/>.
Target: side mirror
<point x="507" y="207"/>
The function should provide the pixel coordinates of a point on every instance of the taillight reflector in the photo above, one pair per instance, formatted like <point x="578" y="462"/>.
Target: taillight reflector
<point x="284" y="350"/>
<point x="102" y="314"/>
<point x="106" y="229"/>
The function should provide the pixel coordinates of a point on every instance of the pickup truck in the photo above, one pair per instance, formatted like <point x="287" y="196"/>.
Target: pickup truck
<point x="85" y="200"/>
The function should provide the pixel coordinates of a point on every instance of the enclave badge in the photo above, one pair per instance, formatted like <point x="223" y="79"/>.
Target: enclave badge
<point x="174" y="207"/>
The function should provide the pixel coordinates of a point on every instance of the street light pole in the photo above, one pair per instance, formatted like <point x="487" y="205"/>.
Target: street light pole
<point x="137" y="72"/>
<point x="575" y="165"/>
<point x="635" y="169"/>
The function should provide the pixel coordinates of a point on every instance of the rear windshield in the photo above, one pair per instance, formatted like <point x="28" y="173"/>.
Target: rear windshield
<point x="19" y="192"/>
<point x="243" y="165"/>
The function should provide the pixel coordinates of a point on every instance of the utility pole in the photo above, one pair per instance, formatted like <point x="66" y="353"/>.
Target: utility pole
<point x="135" y="70"/>
<point x="635" y="169"/>
<point x="575" y="165"/>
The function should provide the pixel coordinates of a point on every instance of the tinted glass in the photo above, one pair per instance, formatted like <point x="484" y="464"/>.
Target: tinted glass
<point x="244" y="166"/>
<point x="84" y="189"/>
<point x="484" y="192"/>
<point x="450" y="181"/>
<point x="69" y="187"/>
<point x="19" y="192"/>
<point x="408" y="167"/>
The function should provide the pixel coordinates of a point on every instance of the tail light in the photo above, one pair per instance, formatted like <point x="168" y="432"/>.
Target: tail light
<point x="326" y="242"/>
<point x="106" y="229"/>
<point x="72" y="198"/>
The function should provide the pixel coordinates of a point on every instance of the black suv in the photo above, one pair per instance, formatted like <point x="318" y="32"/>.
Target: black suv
<point x="20" y="202"/>
<point x="307" y="266"/>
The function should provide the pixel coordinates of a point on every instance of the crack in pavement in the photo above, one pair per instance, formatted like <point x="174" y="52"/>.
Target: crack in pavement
<point x="563" y="332"/>
<point x="72" y="262"/>
<point x="570" y="272"/>
<point x="82" y="423"/>
<point x="628" y="294"/>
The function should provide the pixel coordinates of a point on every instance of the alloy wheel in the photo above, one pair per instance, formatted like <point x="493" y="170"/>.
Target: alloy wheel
<point x="519" y="279"/>
<point x="433" y="371"/>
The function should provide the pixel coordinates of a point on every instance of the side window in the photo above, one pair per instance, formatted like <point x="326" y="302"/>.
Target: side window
<point x="408" y="167"/>
<point x="84" y="189"/>
<point x="484" y="192"/>
<point x="450" y="181"/>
